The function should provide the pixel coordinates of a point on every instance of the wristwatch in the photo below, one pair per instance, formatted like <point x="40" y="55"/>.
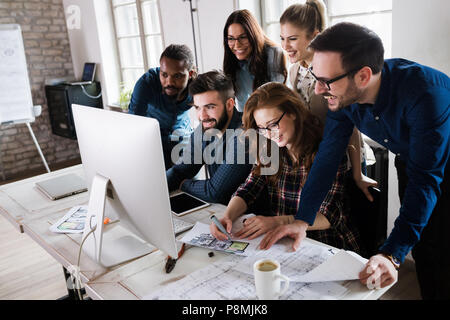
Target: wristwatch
<point x="392" y="259"/>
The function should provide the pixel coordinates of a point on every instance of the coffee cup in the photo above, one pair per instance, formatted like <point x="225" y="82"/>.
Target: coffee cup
<point x="268" y="279"/>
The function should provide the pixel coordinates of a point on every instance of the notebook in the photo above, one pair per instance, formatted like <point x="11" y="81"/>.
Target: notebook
<point x="63" y="186"/>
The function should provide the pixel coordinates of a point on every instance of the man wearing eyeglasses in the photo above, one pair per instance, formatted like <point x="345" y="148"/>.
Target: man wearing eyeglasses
<point x="404" y="106"/>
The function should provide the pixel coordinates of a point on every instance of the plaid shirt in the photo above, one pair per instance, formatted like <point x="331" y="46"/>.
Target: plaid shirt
<point x="284" y="199"/>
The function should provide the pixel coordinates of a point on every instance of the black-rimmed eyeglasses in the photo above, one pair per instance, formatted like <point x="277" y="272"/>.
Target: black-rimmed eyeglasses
<point x="243" y="39"/>
<point x="271" y="127"/>
<point x="326" y="83"/>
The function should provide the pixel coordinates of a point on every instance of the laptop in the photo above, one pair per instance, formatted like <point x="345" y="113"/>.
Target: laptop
<point x="88" y="74"/>
<point x="63" y="186"/>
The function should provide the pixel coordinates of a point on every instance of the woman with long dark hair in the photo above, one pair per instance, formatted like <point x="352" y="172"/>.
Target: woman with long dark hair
<point x="276" y="112"/>
<point x="250" y="57"/>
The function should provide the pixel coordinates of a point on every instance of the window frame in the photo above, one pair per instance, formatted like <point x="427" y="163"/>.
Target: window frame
<point x="265" y="24"/>
<point x="141" y="34"/>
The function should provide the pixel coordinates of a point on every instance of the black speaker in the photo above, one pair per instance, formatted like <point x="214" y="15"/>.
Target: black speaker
<point x="59" y="101"/>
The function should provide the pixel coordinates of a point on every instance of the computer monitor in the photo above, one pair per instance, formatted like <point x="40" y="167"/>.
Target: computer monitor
<point x="124" y="168"/>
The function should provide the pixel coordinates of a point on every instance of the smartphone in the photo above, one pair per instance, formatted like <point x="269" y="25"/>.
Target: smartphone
<point x="183" y="203"/>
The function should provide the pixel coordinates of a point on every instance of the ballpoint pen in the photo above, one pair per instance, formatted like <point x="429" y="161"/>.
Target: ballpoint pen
<point x="220" y="226"/>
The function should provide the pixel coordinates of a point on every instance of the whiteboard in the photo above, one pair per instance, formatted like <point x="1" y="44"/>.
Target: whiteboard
<point x="16" y="104"/>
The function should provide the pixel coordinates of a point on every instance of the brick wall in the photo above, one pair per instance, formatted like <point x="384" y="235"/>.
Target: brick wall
<point x="48" y="56"/>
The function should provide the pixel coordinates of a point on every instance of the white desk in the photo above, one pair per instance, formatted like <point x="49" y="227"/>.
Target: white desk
<point x="31" y="212"/>
<point x="21" y="200"/>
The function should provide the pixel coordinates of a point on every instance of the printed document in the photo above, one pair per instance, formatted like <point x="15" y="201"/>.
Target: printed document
<point x="310" y="263"/>
<point x="222" y="281"/>
<point x="200" y="236"/>
<point x="72" y="222"/>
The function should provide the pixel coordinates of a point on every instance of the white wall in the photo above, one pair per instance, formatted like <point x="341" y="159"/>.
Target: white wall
<point x="94" y="40"/>
<point x="420" y="32"/>
<point x="209" y="19"/>
<point x="87" y="45"/>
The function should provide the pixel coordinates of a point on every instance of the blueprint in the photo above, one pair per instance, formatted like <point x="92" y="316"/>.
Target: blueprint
<point x="232" y="277"/>
<point x="315" y="271"/>
<point x="310" y="263"/>
<point x="222" y="281"/>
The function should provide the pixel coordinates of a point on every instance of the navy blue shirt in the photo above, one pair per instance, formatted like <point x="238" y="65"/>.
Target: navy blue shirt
<point x="148" y="100"/>
<point x="224" y="177"/>
<point x="411" y="118"/>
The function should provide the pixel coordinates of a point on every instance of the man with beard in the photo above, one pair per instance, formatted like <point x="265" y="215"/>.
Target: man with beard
<point x="213" y="97"/>
<point x="161" y="93"/>
<point x="404" y="106"/>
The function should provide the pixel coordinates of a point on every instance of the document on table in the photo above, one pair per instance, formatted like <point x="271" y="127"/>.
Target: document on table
<point x="223" y="280"/>
<point x="310" y="263"/>
<point x="72" y="221"/>
<point x="200" y="236"/>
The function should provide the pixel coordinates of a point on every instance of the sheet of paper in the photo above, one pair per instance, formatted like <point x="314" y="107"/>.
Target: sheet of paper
<point x="344" y="265"/>
<point x="72" y="221"/>
<point x="293" y="263"/>
<point x="310" y="263"/>
<point x="221" y="280"/>
<point x="16" y="102"/>
<point x="200" y="236"/>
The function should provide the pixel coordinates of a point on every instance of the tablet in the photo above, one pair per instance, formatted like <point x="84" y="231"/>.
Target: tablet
<point x="183" y="203"/>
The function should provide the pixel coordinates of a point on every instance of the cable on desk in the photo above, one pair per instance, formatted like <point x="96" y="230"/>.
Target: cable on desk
<point x="87" y="94"/>
<point x="77" y="276"/>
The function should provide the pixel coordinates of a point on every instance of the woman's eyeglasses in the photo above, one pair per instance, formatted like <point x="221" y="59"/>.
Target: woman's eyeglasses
<point x="243" y="39"/>
<point x="271" y="127"/>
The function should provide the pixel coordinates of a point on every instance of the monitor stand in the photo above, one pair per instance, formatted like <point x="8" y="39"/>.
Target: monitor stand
<point x="109" y="246"/>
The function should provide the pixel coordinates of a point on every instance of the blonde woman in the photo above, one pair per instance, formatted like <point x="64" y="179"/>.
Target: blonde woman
<point x="299" y="24"/>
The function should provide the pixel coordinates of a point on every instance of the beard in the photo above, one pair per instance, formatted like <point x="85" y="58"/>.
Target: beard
<point x="351" y="95"/>
<point x="219" y="124"/>
<point x="171" y="92"/>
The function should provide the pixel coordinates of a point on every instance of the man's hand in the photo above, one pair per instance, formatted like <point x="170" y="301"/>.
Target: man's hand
<point x="379" y="272"/>
<point x="295" y="230"/>
<point x="363" y="182"/>
<point x="256" y="226"/>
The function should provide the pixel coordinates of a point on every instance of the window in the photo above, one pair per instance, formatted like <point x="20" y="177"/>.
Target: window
<point x="139" y="38"/>
<point x="271" y="11"/>
<point x="374" y="14"/>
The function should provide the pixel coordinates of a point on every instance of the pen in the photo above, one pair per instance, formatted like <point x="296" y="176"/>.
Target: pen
<point x="220" y="226"/>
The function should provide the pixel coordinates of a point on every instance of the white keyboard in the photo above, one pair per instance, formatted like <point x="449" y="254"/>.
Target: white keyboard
<point x="181" y="225"/>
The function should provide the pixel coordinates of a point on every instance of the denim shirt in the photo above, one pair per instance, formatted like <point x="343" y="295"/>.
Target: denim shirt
<point x="411" y="118"/>
<point x="244" y="79"/>
<point x="149" y="100"/>
<point x="224" y="177"/>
